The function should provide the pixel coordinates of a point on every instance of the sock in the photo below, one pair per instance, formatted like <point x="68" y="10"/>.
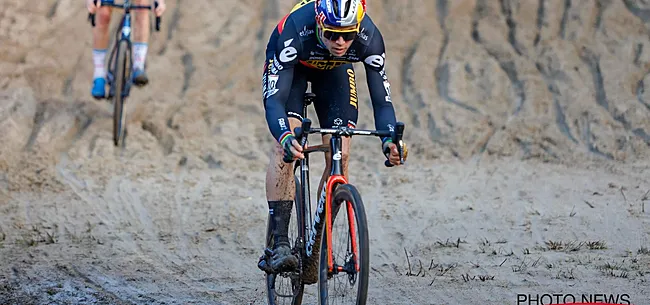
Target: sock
<point x="99" y="57"/>
<point x="280" y="212"/>
<point x="139" y="54"/>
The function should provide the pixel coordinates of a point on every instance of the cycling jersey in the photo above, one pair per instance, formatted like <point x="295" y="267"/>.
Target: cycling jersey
<point x="294" y="49"/>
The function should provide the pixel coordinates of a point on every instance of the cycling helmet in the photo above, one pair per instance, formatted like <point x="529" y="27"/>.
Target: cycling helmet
<point x="340" y="13"/>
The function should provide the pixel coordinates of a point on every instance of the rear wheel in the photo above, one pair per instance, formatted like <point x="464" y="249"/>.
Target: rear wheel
<point x="286" y="287"/>
<point x="347" y="283"/>
<point x="122" y="69"/>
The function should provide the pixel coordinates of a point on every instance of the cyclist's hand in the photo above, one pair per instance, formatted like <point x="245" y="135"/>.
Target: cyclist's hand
<point x="161" y="8"/>
<point x="92" y="7"/>
<point x="392" y="154"/>
<point x="292" y="149"/>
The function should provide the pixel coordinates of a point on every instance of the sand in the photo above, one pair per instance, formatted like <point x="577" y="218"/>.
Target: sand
<point x="528" y="172"/>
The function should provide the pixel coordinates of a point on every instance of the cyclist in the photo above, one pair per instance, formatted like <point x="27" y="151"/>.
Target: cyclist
<point x="101" y="38"/>
<point x="317" y="42"/>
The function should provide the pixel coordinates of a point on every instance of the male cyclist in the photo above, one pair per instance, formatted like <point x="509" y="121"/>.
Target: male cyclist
<point x="101" y="38"/>
<point x="317" y="42"/>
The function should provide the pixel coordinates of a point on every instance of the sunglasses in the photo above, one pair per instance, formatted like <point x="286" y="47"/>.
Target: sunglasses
<point x="334" y="35"/>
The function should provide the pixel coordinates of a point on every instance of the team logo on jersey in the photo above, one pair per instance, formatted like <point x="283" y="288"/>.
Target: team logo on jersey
<point x="306" y="32"/>
<point x="289" y="53"/>
<point x="363" y="34"/>
<point x="376" y="61"/>
<point x="271" y="83"/>
<point x="387" y="88"/>
<point x="324" y="64"/>
<point x="353" y="89"/>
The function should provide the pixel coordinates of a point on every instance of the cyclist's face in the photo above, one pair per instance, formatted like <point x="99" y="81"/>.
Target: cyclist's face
<point x="339" y="40"/>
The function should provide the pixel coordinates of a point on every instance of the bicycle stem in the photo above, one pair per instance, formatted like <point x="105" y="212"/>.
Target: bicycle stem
<point x="396" y="136"/>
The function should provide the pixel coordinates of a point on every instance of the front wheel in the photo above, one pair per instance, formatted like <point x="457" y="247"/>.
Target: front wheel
<point x="347" y="281"/>
<point x="122" y="70"/>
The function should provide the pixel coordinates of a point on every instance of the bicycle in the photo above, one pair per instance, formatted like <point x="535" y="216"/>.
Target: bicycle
<point x="120" y="63"/>
<point x="336" y="191"/>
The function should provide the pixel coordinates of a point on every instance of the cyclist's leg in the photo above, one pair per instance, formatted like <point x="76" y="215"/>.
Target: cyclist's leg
<point x="140" y="43"/>
<point x="100" y="49"/>
<point x="336" y="105"/>
<point x="280" y="187"/>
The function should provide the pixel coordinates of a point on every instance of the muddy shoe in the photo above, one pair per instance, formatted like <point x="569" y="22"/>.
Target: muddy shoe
<point x="283" y="260"/>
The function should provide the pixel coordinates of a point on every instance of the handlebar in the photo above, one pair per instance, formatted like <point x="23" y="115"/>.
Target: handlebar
<point x="396" y="135"/>
<point x="91" y="17"/>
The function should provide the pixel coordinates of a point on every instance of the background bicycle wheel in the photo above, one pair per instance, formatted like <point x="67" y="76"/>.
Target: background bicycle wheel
<point x="527" y="123"/>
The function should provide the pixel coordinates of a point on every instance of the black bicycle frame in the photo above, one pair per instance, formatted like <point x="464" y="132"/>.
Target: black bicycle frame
<point x="124" y="35"/>
<point x="335" y="145"/>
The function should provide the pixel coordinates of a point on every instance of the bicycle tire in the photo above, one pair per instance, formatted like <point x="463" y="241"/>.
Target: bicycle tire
<point x="120" y="82"/>
<point x="298" y="287"/>
<point x="346" y="193"/>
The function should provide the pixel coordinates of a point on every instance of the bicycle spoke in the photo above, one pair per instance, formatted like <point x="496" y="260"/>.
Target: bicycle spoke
<point x="342" y="290"/>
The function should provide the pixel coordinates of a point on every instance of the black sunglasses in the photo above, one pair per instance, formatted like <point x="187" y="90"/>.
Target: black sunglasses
<point x="334" y="35"/>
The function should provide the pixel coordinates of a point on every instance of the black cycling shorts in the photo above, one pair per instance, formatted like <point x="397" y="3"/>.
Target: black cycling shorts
<point x="336" y="102"/>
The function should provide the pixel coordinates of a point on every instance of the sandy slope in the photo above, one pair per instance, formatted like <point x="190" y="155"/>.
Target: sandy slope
<point x="529" y="170"/>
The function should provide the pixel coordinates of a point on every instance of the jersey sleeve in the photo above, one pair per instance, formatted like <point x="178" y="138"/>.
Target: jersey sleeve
<point x="378" y="84"/>
<point x="278" y="77"/>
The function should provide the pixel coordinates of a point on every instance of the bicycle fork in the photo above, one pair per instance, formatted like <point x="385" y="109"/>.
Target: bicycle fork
<point x="324" y="212"/>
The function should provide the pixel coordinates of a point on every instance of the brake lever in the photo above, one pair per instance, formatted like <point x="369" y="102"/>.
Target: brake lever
<point x="303" y="131"/>
<point x="91" y="16"/>
<point x="155" y="5"/>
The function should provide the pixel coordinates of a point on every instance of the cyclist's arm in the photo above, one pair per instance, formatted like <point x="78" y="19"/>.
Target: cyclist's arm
<point x="378" y="84"/>
<point x="279" y="79"/>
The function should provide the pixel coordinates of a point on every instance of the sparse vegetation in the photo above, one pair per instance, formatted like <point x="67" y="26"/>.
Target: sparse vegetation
<point x="572" y="246"/>
<point x="596" y="245"/>
<point x="440" y="269"/>
<point x="615" y="269"/>
<point x="34" y="235"/>
<point x="466" y="277"/>
<point x="521" y="267"/>
<point x="617" y="273"/>
<point x="451" y="244"/>
<point x="567" y="246"/>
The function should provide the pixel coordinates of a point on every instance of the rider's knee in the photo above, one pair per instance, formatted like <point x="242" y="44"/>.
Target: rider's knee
<point x="103" y="16"/>
<point x="142" y="16"/>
